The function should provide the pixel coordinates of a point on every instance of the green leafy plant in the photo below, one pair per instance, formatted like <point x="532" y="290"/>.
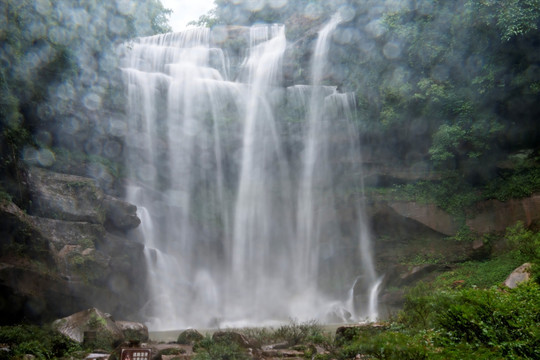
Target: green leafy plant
<point x="42" y="342"/>
<point x="210" y="349"/>
<point x="526" y="241"/>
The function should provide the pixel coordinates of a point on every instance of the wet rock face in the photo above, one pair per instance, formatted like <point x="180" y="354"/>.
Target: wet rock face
<point x="76" y="198"/>
<point x="65" y="197"/>
<point x="71" y="252"/>
<point x="120" y="215"/>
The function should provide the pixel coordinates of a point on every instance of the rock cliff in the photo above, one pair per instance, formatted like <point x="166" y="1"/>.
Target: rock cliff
<point x="68" y="252"/>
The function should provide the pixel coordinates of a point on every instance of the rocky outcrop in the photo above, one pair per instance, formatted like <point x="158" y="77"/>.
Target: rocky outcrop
<point x="496" y="216"/>
<point x="69" y="252"/>
<point x="429" y="215"/>
<point x="76" y="198"/>
<point x="64" y="197"/>
<point x="120" y="215"/>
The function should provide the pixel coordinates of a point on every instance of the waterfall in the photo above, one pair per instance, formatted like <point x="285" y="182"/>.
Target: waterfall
<point x="240" y="208"/>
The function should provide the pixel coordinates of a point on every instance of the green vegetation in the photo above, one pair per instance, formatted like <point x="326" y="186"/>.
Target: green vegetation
<point x="42" y="342"/>
<point x="296" y="333"/>
<point x="465" y="312"/>
<point x="45" y="82"/>
<point x="484" y="323"/>
<point x="210" y="349"/>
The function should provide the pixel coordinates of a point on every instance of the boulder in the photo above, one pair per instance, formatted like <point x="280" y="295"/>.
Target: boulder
<point x="518" y="276"/>
<point x="189" y="337"/>
<point x="232" y="337"/>
<point x="120" y="215"/>
<point x="133" y="331"/>
<point x="91" y="326"/>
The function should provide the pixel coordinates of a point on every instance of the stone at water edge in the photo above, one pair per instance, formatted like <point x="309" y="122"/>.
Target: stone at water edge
<point x="518" y="276"/>
<point x="133" y="331"/>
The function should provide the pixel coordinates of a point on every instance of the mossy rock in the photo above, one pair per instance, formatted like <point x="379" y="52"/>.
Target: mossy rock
<point x="189" y="337"/>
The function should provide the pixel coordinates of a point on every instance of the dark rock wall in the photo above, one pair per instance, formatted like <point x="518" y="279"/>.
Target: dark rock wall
<point x="69" y="252"/>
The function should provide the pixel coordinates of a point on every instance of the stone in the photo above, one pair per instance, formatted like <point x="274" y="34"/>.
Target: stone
<point x="95" y="325"/>
<point x="189" y="337"/>
<point x="120" y="215"/>
<point x="232" y="337"/>
<point x="518" y="276"/>
<point x="133" y="331"/>
<point x="64" y="197"/>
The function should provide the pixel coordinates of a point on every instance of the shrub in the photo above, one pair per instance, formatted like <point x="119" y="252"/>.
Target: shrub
<point x="525" y="241"/>
<point x="209" y="349"/>
<point x="296" y="333"/>
<point x="506" y="323"/>
<point x="41" y="342"/>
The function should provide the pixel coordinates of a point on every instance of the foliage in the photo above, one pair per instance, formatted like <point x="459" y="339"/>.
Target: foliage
<point x="158" y="15"/>
<point x="526" y="241"/>
<point x="206" y="20"/>
<point x="512" y="18"/>
<point x="520" y="184"/>
<point x="489" y="323"/>
<point x="390" y="345"/>
<point x="482" y="274"/>
<point x="296" y="333"/>
<point x="451" y="193"/>
<point x="51" y="69"/>
<point x="42" y="342"/>
<point x="506" y="323"/>
<point x="210" y="349"/>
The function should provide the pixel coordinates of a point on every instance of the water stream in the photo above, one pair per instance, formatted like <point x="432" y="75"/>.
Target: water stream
<point x="249" y="217"/>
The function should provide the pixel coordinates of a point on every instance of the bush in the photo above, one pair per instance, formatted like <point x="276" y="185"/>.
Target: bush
<point x="296" y="333"/>
<point x="41" y="342"/>
<point x="506" y="323"/>
<point x="489" y="323"/>
<point x="209" y="349"/>
<point x="525" y="241"/>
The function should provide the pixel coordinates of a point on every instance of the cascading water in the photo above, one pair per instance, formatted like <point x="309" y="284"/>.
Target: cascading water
<point x="239" y="227"/>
